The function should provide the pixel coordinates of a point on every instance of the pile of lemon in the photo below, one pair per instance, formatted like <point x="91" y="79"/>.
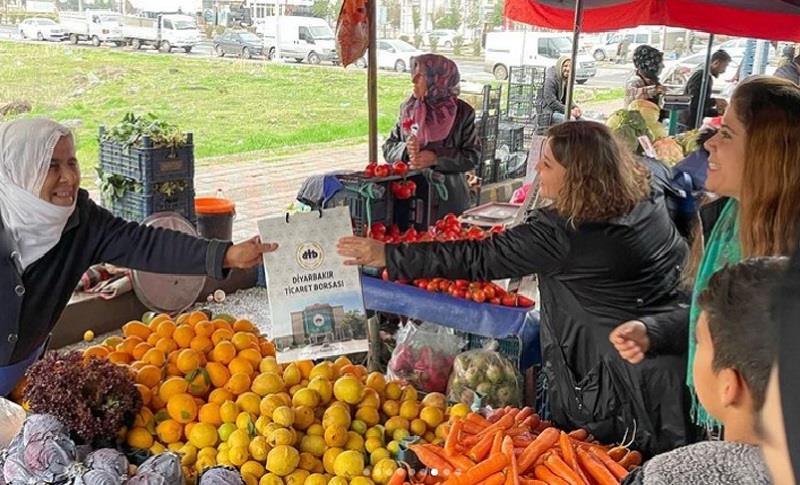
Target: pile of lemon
<point x="215" y="394"/>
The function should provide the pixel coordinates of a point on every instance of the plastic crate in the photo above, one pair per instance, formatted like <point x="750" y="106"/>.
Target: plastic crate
<point x="147" y="164"/>
<point x="530" y="75"/>
<point x="511" y="135"/>
<point x="136" y="206"/>
<point x="383" y="206"/>
<point x="509" y="347"/>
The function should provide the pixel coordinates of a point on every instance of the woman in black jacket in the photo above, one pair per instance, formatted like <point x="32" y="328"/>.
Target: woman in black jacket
<point x="604" y="248"/>
<point x="437" y="130"/>
<point x="51" y="233"/>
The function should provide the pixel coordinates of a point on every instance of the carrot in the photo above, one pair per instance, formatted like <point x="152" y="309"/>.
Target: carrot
<point x="617" y="453"/>
<point x="458" y="462"/>
<point x="561" y="469"/>
<point x="497" y="414"/>
<point x="481" y="471"/>
<point x="579" y="434"/>
<point x="544" y="474"/>
<point x="513" y="472"/>
<point x="542" y="443"/>
<point x="522" y="441"/>
<point x="632" y="459"/>
<point x="543" y="425"/>
<point x="431" y="459"/>
<point x="477" y="419"/>
<point x="497" y="443"/>
<point x="481" y="449"/>
<point x="453" y="437"/>
<point x="503" y="424"/>
<point x="531" y="481"/>
<point x="398" y="477"/>
<point x="471" y="428"/>
<point x="618" y="470"/>
<point x="568" y="451"/>
<point x="596" y="469"/>
<point x="496" y="479"/>
<point x="523" y="414"/>
<point x="532" y="422"/>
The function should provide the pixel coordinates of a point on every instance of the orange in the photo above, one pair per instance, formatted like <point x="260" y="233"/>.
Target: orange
<point x="156" y="321"/>
<point x="209" y="413"/>
<point x="112" y="342"/>
<point x="244" y="326"/>
<point x="220" y="323"/>
<point x="136" y="328"/>
<point x="155" y="357"/>
<point x="166" y="345"/>
<point x="267" y="348"/>
<point x="135" y="366"/>
<point x="144" y="418"/>
<point x="183" y="336"/>
<point x="153" y="339"/>
<point x="204" y="328"/>
<point x="173" y="371"/>
<point x="183" y="318"/>
<point x="156" y="403"/>
<point x="145" y="392"/>
<point x="224" y="352"/>
<point x="199" y="385"/>
<point x="202" y="344"/>
<point x="218" y="373"/>
<point x="238" y="383"/>
<point x="241" y="365"/>
<point x="182" y="408"/>
<point x="197" y="317"/>
<point x="251" y="355"/>
<point x="149" y="375"/>
<point x="172" y="387"/>
<point x="219" y="396"/>
<point x="305" y="367"/>
<point x="244" y="340"/>
<point x="169" y="431"/>
<point x="166" y="329"/>
<point x="140" y="349"/>
<point x="129" y="344"/>
<point x="188" y="360"/>
<point x="118" y="357"/>
<point x="221" y="334"/>
<point x="98" y="351"/>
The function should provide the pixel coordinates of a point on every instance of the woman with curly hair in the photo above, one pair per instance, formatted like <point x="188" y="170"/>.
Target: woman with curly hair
<point x="605" y="247"/>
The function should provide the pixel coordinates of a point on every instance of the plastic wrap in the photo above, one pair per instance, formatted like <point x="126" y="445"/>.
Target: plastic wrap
<point x="483" y="378"/>
<point x="424" y="356"/>
<point x="352" y="31"/>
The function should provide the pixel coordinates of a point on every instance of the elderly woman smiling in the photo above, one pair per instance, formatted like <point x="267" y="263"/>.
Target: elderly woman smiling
<point x="51" y="232"/>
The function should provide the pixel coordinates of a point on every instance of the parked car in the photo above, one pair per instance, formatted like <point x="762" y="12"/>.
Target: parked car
<point x="444" y="37"/>
<point x="97" y="26"/>
<point x="307" y="39"/>
<point x="394" y="54"/>
<point x="238" y="43"/>
<point x="41" y="29"/>
<point x="506" y="49"/>
<point x="677" y="73"/>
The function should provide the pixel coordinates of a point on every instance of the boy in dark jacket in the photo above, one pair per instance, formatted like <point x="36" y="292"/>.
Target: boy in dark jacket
<point x="732" y="367"/>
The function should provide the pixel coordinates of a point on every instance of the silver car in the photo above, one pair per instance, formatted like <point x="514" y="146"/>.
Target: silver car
<point x="41" y="29"/>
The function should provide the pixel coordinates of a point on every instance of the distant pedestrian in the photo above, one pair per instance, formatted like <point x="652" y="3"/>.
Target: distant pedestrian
<point x="622" y="50"/>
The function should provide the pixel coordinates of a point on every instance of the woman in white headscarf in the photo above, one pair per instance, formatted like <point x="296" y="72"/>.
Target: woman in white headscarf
<point x="51" y="233"/>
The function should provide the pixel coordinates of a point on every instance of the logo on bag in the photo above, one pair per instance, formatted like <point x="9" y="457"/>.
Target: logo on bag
<point x="310" y="255"/>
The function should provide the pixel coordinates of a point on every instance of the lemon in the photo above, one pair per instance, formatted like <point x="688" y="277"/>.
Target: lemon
<point x="315" y="430"/>
<point x="88" y="336"/>
<point x="369" y="415"/>
<point x="409" y="394"/>
<point x="271" y="479"/>
<point x="297" y="477"/>
<point x="259" y="449"/>
<point x="212" y="452"/>
<point x="361" y="481"/>
<point x="329" y="458"/>
<point x="292" y="375"/>
<point x="418" y="427"/>
<point x="223" y="447"/>
<point x="348" y="389"/>
<point x="430" y="437"/>
<point x="359" y="426"/>
<point x="432" y="416"/>
<point x="349" y="464"/>
<point x="324" y="369"/>
<point x="306" y="397"/>
<point x="459" y="410"/>
<point x="338" y="481"/>
<point x="376" y="432"/>
<point x="244" y="421"/>
<point x="323" y="387"/>
<point x="157" y="448"/>
<point x="283" y="416"/>
<point x="400" y="434"/>
<point x="203" y="435"/>
<point x="267" y="383"/>
<point x="282" y="460"/>
<point x="393" y="391"/>
<point x="253" y="468"/>
<point x="441" y="431"/>
<point x="228" y="411"/>
<point x="269" y="404"/>
<point x="225" y="431"/>
<point x="383" y="471"/>
<point x="303" y="417"/>
<point x="261" y="423"/>
<point x="336" y="436"/>
<point x="316" y="479"/>
<point x="222" y="458"/>
<point x="314" y="445"/>
<point x="188" y="454"/>
<point x="391" y="408"/>
<point x="238" y="455"/>
<point x="249" y="401"/>
<point x="281" y="437"/>
<point x="239" y="438"/>
<point x="336" y="416"/>
<point x="378" y="455"/>
<point x="269" y="364"/>
<point x="204" y="462"/>
<point x="373" y="444"/>
<point x="409" y="410"/>
<point x="307" y="461"/>
<point x="377" y="381"/>
<point x="396" y="423"/>
<point x="393" y="447"/>
<point x="354" y="441"/>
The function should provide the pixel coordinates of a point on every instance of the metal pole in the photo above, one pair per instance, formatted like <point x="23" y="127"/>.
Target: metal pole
<point x="576" y="33"/>
<point x="277" y="56"/>
<point x="372" y="82"/>
<point x="701" y="103"/>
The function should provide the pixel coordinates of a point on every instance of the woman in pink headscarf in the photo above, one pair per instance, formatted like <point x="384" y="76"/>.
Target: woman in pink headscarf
<point x="437" y="130"/>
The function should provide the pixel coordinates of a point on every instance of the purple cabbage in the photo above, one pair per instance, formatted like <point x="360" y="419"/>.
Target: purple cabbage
<point x="15" y="472"/>
<point x="41" y="427"/>
<point x="150" y="478"/>
<point x="96" y="477"/>
<point x="221" y="476"/>
<point x="167" y="464"/>
<point x="108" y="460"/>
<point x="49" y="460"/>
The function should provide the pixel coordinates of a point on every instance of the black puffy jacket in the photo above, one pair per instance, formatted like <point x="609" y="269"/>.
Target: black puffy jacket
<point x="590" y="279"/>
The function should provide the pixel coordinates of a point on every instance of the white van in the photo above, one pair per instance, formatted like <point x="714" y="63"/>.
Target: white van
<point x="97" y="26"/>
<point x="164" y="33"/>
<point x="542" y="49"/>
<point x="302" y="38"/>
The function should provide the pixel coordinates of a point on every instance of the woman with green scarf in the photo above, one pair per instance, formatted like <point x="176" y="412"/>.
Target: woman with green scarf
<point x="754" y="169"/>
<point x="552" y="98"/>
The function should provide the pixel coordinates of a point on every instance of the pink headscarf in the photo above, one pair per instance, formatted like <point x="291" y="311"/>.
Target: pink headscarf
<point x="435" y="115"/>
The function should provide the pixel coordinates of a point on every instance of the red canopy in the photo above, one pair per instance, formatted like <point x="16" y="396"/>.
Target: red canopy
<point x="762" y="19"/>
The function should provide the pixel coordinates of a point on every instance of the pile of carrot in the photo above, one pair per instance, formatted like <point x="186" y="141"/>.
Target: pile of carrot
<point x="515" y="447"/>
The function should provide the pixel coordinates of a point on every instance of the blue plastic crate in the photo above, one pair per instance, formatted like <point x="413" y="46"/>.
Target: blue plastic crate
<point x="137" y="206"/>
<point x="147" y="164"/>
<point x="509" y="347"/>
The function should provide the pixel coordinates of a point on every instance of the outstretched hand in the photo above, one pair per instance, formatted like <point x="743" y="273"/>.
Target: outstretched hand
<point x="631" y="341"/>
<point x="362" y="251"/>
<point x="247" y="254"/>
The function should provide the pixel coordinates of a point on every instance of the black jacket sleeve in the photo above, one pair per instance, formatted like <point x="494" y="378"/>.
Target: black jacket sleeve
<point x="466" y="152"/>
<point x="550" y="101"/>
<point x="158" y="250"/>
<point x="693" y="87"/>
<point x="538" y="246"/>
<point x="669" y="332"/>
<point x="394" y="148"/>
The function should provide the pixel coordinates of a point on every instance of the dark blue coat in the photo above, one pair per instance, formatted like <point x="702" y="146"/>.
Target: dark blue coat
<point x="32" y="301"/>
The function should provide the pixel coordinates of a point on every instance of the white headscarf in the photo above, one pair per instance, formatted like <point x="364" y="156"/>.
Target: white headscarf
<point x="26" y="149"/>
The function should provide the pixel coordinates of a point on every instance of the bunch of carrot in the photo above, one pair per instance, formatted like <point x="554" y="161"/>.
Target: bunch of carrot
<point x="515" y="447"/>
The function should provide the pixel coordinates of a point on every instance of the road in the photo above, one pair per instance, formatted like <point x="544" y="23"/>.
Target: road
<point x="608" y="75"/>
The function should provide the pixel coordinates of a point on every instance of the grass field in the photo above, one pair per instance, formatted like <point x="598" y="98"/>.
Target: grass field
<point x="231" y="106"/>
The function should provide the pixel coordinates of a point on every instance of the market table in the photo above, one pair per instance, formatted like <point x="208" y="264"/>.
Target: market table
<point x="483" y="319"/>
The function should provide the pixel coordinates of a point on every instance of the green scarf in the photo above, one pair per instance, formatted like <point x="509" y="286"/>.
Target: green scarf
<point x="722" y="248"/>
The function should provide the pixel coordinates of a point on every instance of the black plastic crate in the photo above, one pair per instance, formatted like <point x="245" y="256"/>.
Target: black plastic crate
<point x="370" y="200"/>
<point x="136" y="206"/>
<point x="518" y="170"/>
<point x="147" y="164"/>
<point x="528" y="75"/>
<point x="511" y="135"/>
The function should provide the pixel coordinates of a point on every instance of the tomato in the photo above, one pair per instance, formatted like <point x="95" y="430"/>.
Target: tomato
<point x="382" y="171"/>
<point x="369" y="172"/>
<point x="421" y="283"/>
<point x="478" y="296"/>
<point x="460" y="293"/>
<point x="495" y="301"/>
<point x="411" y="235"/>
<point x="400" y="168"/>
<point x="425" y="237"/>
<point x="403" y="192"/>
<point x="444" y="285"/>
<point x="498" y="290"/>
<point x="394" y="230"/>
<point x="475" y="233"/>
<point x="411" y="185"/>
<point x="524" y="301"/>
<point x="378" y="228"/>
<point x="488" y="290"/>
<point x="450" y="218"/>
<point x="462" y="284"/>
<point x="433" y="286"/>
<point x="509" y="299"/>
<point x="498" y="229"/>
<point x="385" y="274"/>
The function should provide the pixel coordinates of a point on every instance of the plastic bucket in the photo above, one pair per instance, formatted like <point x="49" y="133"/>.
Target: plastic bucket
<point x="215" y="217"/>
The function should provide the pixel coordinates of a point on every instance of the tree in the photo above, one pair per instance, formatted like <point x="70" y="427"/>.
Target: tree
<point x="452" y="19"/>
<point x="416" y="17"/>
<point x="472" y="17"/>
<point x="393" y="13"/>
<point x="496" y="20"/>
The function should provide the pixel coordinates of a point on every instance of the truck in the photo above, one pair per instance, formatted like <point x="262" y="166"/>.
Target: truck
<point x="542" y="49"/>
<point x="307" y="39"/>
<point x="163" y="32"/>
<point x="97" y="26"/>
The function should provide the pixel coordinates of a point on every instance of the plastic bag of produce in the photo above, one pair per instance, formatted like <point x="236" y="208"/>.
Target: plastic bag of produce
<point x="484" y="378"/>
<point x="352" y="31"/>
<point x="167" y="465"/>
<point x="221" y="475"/>
<point x="424" y="356"/>
<point x="12" y="416"/>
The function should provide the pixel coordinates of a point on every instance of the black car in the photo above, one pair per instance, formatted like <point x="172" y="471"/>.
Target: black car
<point x="240" y="43"/>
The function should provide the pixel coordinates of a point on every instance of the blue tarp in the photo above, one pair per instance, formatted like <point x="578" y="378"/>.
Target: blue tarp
<point x="479" y="318"/>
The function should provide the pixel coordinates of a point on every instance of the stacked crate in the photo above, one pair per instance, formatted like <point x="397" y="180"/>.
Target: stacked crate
<point x="165" y="175"/>
<point x="524" y="84"/>
<point x="488" y="121"/>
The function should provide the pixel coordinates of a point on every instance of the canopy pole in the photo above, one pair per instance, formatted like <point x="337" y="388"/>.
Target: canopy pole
<point x="576" y="33"/>
<point x="372" y="82"/>
<point x="701" y="103"/>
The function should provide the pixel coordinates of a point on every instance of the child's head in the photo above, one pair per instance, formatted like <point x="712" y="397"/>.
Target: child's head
<point x="734" y="349"/>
